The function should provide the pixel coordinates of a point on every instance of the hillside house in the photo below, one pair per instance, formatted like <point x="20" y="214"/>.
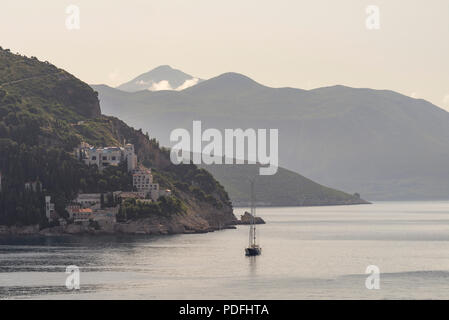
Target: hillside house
<point x="108" y="156"/>
<point x="50" y="212"/>
<point x="146" y="188"/>
<point x="89" y="200"/>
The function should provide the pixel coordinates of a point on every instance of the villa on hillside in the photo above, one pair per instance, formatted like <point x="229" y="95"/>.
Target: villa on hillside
<point x="89" y="200"/>
<point x="89" y="206"/>
<point x="80" y="214"/>
<point x="108" y="156"/>
<point x="113" y="156"/>
<point x="50" y="212"/>
<point x="143" y="182"/>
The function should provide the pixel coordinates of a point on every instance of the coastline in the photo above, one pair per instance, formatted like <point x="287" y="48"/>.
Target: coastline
<point x="137" y="227"/>
<point x="274" y="205"/>
<point x="195" y="220"/>
<point x="178" y="224"/>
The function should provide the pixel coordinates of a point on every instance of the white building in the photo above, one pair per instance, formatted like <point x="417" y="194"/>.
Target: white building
<point x="72" y="208"/>
<point x="89" y="200"/>
<point x="131" y="157"/>
<point x="49" y="208"/>
<point x="106" y="214"/>
<point x="143" y="182"/>
<point x="142" y="179"/>
<point x="108" y="156"/>
<point x="34" y="186"/>
<point x="80" y="214"/>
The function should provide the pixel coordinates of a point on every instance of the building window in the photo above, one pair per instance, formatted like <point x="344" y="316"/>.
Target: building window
<point x="105" y="158"/>
<point x="114" y="158"/>
<point x="94" y="158"/>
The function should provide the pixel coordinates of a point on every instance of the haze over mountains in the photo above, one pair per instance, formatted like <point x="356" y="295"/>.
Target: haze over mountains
<point x="379" y="143"/>
<point x="160" y="78"/>
<point x="285" y="188"/>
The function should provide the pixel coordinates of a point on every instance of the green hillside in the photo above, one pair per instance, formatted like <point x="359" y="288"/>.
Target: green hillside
<point x="285" y="188"/>
<point x="44" y="113"/>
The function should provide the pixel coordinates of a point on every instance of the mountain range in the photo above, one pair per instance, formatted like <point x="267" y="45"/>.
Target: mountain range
<point x="379" y="143"/>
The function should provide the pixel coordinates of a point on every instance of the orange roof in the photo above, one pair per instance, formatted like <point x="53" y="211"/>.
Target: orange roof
<point x="87" y="210"/>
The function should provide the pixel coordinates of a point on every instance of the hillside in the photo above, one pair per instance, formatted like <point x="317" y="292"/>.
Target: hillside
<point x="44" y="113"/>
<point x="379" y="143"/>
<point x="285" y="188"/>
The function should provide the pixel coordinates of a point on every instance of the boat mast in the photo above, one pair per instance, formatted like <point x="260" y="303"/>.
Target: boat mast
<point x="252" y="232"/>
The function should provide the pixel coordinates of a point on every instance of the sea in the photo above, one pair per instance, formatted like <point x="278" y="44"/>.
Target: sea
<point x="386" y="250"/>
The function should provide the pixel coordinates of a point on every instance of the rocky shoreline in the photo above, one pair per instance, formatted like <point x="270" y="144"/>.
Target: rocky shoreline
<point x="202" y="222"/>
<point x="137" y="227"/>
<point x="178" y="224"/>
<point x="247" y="217"/>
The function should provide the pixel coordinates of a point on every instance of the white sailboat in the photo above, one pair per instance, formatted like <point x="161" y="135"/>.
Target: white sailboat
<point x="253" y="248"/>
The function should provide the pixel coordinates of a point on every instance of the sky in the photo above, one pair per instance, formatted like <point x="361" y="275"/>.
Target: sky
<point x="282" y="43"/>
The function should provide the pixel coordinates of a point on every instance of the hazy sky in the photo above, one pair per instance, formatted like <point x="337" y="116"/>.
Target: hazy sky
<point x="304" y="44"/>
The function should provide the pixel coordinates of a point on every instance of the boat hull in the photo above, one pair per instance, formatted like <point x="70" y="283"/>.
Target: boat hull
<point x="253" y="252"/>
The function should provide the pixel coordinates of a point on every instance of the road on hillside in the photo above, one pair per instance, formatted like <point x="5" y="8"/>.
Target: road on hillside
<point x="29" y="78"/>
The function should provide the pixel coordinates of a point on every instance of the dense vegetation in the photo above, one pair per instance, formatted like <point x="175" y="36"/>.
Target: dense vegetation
<point x="165" y="206"/>
<point x="60" y="174"/>
<point x="44" y="113"/>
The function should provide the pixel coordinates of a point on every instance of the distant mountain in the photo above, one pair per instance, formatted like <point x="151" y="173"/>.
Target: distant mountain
<point x="160" y="78"/>
<point x="285" y="188"/>
<point x="379" y="143"/>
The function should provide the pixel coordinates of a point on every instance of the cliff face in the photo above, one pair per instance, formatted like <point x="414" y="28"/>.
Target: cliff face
<point x="74" y="94"/>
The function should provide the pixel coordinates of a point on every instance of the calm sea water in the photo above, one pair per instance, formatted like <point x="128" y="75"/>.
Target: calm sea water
<point x="308" y="253"/>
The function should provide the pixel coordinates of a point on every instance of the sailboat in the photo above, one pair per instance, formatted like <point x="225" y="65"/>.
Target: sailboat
<point x="253" y="248"/>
